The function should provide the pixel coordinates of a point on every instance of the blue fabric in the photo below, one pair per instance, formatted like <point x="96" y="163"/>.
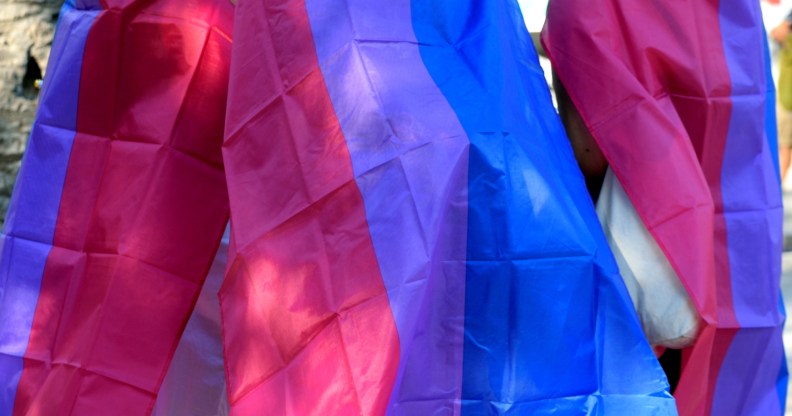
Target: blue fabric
<point x="771" y="125"/>
<point x="549" y="326"/>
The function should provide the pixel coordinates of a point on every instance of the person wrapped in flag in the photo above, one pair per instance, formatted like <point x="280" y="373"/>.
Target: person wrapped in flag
<point x="432" y="230"/>
<point x="409" y="231"/>
<point x="680" y="101"/>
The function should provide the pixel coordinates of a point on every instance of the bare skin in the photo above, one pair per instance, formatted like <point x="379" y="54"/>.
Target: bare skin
<point x="784" y="157"/>
<point x="587" y="153"/>
<point x="780" y="32"/>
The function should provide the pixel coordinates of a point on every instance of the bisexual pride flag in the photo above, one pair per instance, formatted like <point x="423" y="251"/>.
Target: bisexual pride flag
<point x="681" y="102"/>
<point x="409" y="231"/>
<point x="119" y="206"/>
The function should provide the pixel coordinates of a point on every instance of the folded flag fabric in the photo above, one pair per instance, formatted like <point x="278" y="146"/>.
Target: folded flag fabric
<point x="409" y="231"/>
<point x="119" y="206"/>
<point x="681" y="102"/>
<point x="410" y="234"/>
<point x="194" y="384"/>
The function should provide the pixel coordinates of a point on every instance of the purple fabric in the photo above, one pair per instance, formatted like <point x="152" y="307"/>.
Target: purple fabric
<point x="410" y="156"/>
<point x="194" y="384"/>
<point x="24" y="261"/>
<point x="30" y="223"/>
<point x="753" y="213"/>
<point x="748" y="376"/>
<point x="750" y="189"/>
<point x="86" y="4"/>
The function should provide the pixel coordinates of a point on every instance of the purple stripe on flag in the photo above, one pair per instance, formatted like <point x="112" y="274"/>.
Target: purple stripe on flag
<point x="751" y="195"/>
<point x="195" y="381"/>
<point x="410" y="156"/>
<point x="752" y="208"/>
<point x="30" y="223"/>
<point x="748" y="376"/>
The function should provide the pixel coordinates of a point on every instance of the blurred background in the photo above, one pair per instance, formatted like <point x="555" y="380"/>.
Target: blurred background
<point x="773" y="14"/>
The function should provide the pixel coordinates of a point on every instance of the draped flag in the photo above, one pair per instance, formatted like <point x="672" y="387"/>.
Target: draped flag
<point x="194" y="384"/>
<point x="409" y="231"/>
<point x="681" y="102"/>
<point x="118" y="209"/>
